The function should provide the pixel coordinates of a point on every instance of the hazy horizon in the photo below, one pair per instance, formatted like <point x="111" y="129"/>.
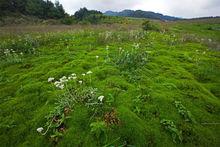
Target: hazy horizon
<point x="184" y="8"/>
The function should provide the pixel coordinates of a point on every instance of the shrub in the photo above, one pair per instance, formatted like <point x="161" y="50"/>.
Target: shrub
<point x="11" y="56"/>
<point x="68" y="20"/>
<point x="73" y="92"/>
<point x="149" y="26"/>
<point x="131" y="60"/>
<point x="88" y="16"/>
<point x="94" y="18"/>
<point x="25" y="44"/>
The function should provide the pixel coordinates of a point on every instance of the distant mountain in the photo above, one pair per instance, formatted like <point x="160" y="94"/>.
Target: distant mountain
<point x="141" y="14"/>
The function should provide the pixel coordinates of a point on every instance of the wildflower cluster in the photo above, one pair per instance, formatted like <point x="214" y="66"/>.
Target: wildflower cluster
<point x="22" y="44"/>
<point x="12" y="56"/>
<point x="73" y="94"/>
<point x="136" y="45"/>
<point x="62" y="81"/>
<point x="131" y="59"/>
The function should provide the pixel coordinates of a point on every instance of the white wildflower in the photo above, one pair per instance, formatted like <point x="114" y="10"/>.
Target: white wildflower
<point x="97" y="57"/>
<point x="50" y="79"/>
<point x="80" y="82"/>
<point x="74" y="78"/>
<point x="57" y="83"/>
<point x="100" y="98"/>
<point x="63" y="79"/>
<point x="61" y="86"/>
<point x="83" y="74"/>
<point x="73" y="74"/>
<point x="40" y="129"/>
<point x="89" y="72"/>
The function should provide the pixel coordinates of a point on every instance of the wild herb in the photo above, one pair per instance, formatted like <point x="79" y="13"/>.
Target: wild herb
<point x="172" y="129"/>
<point x="184" y="112"/>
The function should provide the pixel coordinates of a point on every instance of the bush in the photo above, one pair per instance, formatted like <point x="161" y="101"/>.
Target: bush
<point x="131" y="59"/>
<point x="24" y="44"/>
<point x="148" y="26"/>
<point x="85" y="16"/>
<point x="94" y="18"/>
<point x="68" y="20"/>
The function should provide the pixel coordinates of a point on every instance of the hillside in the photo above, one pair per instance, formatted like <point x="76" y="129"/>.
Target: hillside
<point x="141" y="14"/>
<point x="110" y="85"/>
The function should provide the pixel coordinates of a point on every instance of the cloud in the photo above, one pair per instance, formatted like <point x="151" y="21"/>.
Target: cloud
<point x="180" y="8"/>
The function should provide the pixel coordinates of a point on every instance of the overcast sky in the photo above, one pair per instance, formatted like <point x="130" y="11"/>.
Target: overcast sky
<point x="179" y="8"/>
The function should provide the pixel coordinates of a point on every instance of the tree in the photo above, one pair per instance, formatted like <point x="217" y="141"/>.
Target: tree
<point x="12" y="6"/>
<point x="91" y="16"/>
<point x="40" y="8"/>
<point x="35" y="8"/>
<point x="60" y="10"/>
<point x="81" y="14"/>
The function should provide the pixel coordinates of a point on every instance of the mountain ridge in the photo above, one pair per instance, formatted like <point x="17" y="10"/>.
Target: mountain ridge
<point x="141" y="14"/>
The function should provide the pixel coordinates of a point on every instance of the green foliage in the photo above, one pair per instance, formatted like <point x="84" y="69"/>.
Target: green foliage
<point x="40" y="8"/>
<point x="172" y="129"/>
<point x="131" y="60"/>
<point x="94" y="18"/>
<point x="150" y="26"/>
<point x="91" y="16"/>
<point x="75" y="93"/>
<point x="135" y="98"/>
<point x="184" y="112"/>
<point x="24" y="44"/>
<point x="98" y="129"/>
<point x="12" y="57"/>
<point x="68" y="20"/>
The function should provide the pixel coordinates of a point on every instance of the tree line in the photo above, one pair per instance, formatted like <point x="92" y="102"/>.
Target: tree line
<point x="39" y="8"/>
<point x="45" y="9"/>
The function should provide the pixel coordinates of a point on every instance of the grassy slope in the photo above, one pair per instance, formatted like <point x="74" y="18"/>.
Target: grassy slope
<point x="186" y="71"/>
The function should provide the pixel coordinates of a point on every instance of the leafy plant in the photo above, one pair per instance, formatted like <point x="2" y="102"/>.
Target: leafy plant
<point x="131" y="60"/>
<point x="23" y="44"/>
<point x="68" y="20"/>
<point x="184" y="112"/>
<point x="148" y="26"/>
<point x="10" y="56"/>
<point x="74" y="93"/>
<point x="98" y="129"/>
<point x="172" y="129"/>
